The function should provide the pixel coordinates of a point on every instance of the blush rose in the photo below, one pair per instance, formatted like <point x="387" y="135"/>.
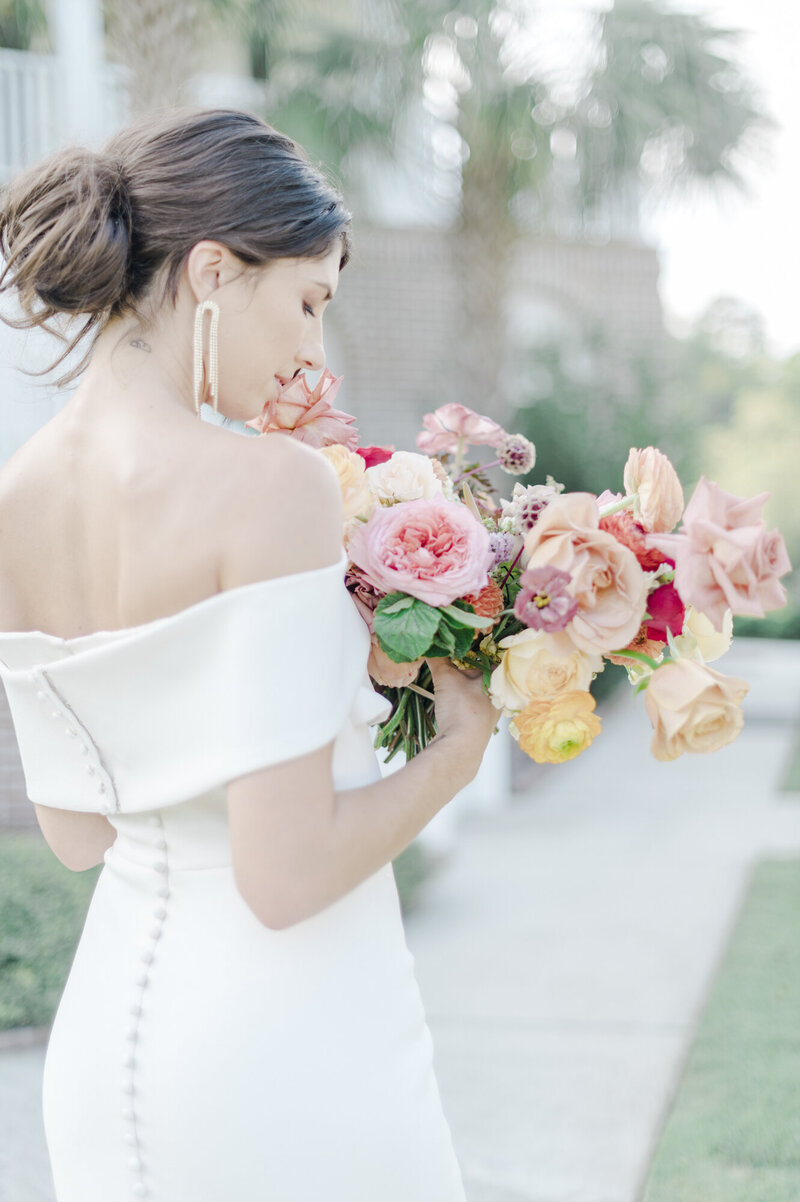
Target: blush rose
<point x="430" y="548"/>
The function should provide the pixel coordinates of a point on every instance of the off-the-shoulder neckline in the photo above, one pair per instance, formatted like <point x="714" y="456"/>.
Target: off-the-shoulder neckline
<point x="195" y="607"/>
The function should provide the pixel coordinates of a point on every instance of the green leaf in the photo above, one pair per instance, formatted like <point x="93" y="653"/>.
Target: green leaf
<point x="405" y="630"/>
<point x="453" y="642"/>
<point x="463" y="617"/>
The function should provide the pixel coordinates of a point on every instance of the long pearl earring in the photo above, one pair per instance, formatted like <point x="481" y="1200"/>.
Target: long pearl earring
<point x="206" y="306"/>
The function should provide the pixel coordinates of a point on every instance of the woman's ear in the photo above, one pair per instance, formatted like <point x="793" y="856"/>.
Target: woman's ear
<point x="210" y="265"/>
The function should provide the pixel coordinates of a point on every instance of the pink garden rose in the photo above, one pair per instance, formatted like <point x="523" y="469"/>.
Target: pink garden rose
<point x="430" y="548"/>
<point x="652" y="480"/>
<point x="606" y="580"/>
<point x="307" y="414"/>
<point x="446" y="425"/>
<point x="724" y="556"/>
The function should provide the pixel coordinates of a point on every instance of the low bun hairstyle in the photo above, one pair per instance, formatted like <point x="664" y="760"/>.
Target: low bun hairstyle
<point x="95" y="235"/>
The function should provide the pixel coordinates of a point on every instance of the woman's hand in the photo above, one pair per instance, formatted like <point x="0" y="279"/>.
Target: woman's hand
<point x="465" y="715"/>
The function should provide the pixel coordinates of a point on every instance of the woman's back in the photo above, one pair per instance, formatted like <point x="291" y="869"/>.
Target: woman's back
<point x="109" y="522"/>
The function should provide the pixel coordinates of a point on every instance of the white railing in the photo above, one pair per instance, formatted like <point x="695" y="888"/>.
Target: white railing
<point x="32" y="108"/>
<point x="28" y="109"/>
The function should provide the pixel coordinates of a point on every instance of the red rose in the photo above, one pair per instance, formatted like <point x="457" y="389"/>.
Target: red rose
<point x="374" y="455"/>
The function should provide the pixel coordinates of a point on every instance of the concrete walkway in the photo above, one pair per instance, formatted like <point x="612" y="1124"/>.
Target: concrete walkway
<point x="564" y="950"/>
<point x="566" y="947"/>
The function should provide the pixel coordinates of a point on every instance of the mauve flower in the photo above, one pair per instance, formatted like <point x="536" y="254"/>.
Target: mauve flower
<point x="517" y="454"/>
<point x="667" y="613"/>
<point x="544" y="602"/>
<point x="374" y="455"/>
<point x="451" y="423"/>
<point x="652" y="480"/>
<point x="607" y="582"/>
<point x="308" y="415"/>
<point x="430" y="548"/>
<point x="724" y="556"/>
<point x="366" y="597"/>
<point x="503" y="547"/>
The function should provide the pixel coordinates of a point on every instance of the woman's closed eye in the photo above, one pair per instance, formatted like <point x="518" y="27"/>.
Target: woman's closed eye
<point x="307" y="309"/>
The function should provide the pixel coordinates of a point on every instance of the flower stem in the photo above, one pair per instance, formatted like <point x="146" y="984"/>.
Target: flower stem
<point x="422" y="692"/>
<point x="481" y="467"/>
<point x="617" y="506"/>
<point x="459" y="457"/>
<point x="512" y="566"/>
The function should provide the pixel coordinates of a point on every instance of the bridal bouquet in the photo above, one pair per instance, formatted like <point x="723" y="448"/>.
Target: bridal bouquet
<point x="541" y="590"/>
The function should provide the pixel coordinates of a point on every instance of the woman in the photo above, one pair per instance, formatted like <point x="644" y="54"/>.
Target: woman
<point x="187" y="677"/>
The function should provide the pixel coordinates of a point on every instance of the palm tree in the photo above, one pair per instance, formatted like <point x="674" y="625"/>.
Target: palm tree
<point x="666" y="106"/>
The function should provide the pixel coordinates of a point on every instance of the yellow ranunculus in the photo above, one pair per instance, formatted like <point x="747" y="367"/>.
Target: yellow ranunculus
<point x="552" y="732"/>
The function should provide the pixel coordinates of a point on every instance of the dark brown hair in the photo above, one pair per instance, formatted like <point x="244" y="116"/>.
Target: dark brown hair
<point x="89" y="234"/>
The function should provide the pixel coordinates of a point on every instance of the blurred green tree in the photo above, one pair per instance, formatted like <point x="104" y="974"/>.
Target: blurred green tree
<point x="21" y="21"/>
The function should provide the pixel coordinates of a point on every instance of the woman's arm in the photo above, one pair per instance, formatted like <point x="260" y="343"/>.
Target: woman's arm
<point x="78" y="840"/>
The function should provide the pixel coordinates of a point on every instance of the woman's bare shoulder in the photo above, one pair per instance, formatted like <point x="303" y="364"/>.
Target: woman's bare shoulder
<point x="282" y="511"/>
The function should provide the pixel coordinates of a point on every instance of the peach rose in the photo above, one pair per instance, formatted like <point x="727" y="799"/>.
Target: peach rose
<point x="386" y="672"/>
<point x="537" y="666"/>
<point x="724" y="557"/>
<point x="652" y="480"/>
<point x="552" y="732"/>
<point x="607" y="582"/>
<point x="693" y="709"/>
<point x="357" y="498"/>
<point x="307" y="414"/>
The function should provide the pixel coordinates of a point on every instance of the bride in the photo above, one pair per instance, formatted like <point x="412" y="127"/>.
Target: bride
<point x="187" y="678"/>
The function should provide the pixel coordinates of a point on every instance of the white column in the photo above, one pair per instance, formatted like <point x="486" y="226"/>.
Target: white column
<point x="76" y="31"/>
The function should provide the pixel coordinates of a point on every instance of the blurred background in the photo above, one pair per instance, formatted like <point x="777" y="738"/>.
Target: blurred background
<point x="577" y="216"/>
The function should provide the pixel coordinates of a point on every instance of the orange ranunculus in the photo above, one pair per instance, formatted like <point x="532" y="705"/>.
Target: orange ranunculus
<point x="552" y="732"/>
<point x="693" y="708"/>
<point x="488" y="603"/>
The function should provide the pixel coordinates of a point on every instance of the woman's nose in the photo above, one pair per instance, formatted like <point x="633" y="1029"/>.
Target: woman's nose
<point x="312" y="355"/>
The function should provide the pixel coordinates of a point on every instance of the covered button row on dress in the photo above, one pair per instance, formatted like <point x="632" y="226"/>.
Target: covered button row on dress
<point x="85" y="748"/>
<point x="130" y="1114"/>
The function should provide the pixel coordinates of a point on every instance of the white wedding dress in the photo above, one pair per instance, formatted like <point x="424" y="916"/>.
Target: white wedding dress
<point x="196" y="1055"/>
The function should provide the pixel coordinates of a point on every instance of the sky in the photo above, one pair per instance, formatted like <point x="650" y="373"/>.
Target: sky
<point x="747" y="246"/>
<point x="744" y="246"/>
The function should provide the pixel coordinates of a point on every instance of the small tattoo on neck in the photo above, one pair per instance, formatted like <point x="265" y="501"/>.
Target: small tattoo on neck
<point x="140" y="345"/>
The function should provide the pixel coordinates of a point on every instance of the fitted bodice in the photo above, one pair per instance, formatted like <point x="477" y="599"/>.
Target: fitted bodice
<point x="130" y="720"/>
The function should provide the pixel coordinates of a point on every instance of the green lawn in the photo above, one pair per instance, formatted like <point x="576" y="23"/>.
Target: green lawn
<point x="734" y="1131"/>
<point x="791" y="782"/>
<point x="42" y="910"/>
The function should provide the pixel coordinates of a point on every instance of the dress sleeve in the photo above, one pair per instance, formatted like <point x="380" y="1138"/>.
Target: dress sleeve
<point x="257" y="675"/>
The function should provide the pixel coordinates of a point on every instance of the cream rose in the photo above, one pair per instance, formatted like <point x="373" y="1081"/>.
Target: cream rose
<point x="700" y="640"/>
<point x="357" y="498"/>
<point x="607" y="582"/>
<point x="407" y="476"/>
<point x="693" y="709"/>
<point x="652" y="480"/>
<point x="537" y="666"/>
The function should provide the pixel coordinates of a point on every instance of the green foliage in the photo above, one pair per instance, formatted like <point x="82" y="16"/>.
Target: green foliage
<point x="583" y="427"/>
<point x="732" y="1134"/>
<point x="21" y="21"/>
<point x="42" y="910"/>
<point x="408" y="629"/>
